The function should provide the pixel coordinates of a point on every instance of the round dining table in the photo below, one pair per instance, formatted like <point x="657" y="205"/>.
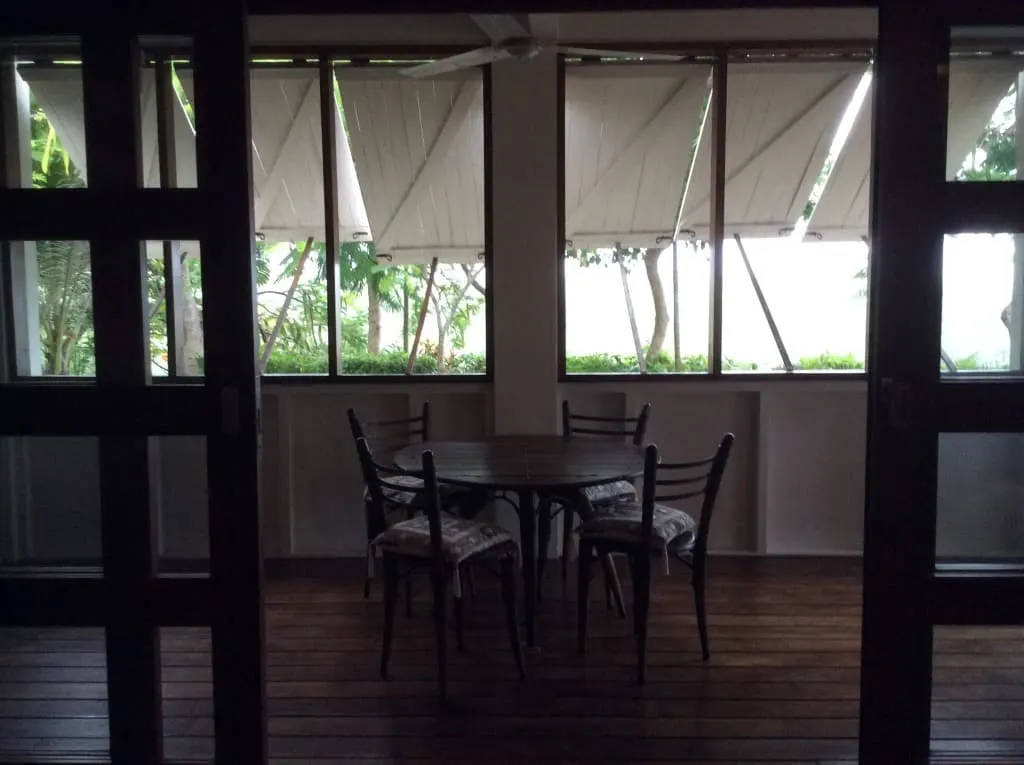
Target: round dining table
<point x="528" y="466"/>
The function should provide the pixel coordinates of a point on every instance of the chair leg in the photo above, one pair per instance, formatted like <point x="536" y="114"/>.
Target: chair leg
<point x="636" y="584"/>
<point x="366" y="588"/>
<point x="543" y="542"/>
<point x="583" y="604"/>
<point x="568" y="515"/>
<point x="470" y="580"/>
<point x="699" y="579"/>
<point x="508" y="595"/>
<point x="642" y="605"/>
<point x="440" y="629"/>
<point x="408" y="594"/>
<point x="613" y="590"/>
<point x="390" y="600"/>
<point x="460" y="642"/>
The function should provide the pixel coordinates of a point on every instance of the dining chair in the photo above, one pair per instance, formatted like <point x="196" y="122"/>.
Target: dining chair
<point x="402" y="499"/>
<point x="447" y="546"/>
<point x="575" y="425"/>
<point x="643" y="529"/>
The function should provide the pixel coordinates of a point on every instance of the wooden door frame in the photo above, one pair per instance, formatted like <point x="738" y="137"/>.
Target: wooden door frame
<point x="909" y="403"/>
<point x="126" y="596"/>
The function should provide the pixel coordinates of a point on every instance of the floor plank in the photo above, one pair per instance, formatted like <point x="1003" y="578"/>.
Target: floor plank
<point x="781" y="686"/>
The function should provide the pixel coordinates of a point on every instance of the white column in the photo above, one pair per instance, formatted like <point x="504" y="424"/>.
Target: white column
<point x="527" y="251"/>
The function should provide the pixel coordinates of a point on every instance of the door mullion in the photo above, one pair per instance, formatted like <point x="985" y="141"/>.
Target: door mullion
<point x="111" y="94"/>
<point x="908" y="167"/>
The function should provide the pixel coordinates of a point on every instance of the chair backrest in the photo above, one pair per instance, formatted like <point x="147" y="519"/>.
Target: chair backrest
<point x="634" y="428"/>
<point x="388" y="436"/>
<point x="378" y="479"/>
<point x="674" y="481"/>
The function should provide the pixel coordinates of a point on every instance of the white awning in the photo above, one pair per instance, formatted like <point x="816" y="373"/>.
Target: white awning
<point x="287" y="159"/>
<point x="418" y="147"/>
<point x="976" y="86"/>
<point x="58" y="90"/>
<point x="781" y="122"/>
<point x="629" y="133"/>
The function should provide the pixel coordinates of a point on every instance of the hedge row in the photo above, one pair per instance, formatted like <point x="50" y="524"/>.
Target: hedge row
<point x="394" y="363"/>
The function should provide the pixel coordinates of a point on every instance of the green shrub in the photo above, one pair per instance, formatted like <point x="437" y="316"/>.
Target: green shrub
<point x="829" y="361"/>
<point x="390" y="362"/>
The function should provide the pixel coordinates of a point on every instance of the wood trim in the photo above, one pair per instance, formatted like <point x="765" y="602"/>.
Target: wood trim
<point x="982" y="598"/>
<point x="328" y="133"/>
<point x="72" y="214"/>
<point x="718" y="126"/>
<point x="909" y="139"/>
<point x="224" y="163"/>
<point x="56" y="409"/>
<point x="110" y="87"/>
<point x="983" y="207"/>
<point x="488" y="98"/>
<point x="562" y="239"/>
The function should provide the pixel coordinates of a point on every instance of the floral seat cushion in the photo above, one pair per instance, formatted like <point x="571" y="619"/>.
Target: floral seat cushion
<point x="461" y="539"/>
<point x="608" y="493"/>
<point x="411" y="486"/>
<point x="622" y="523"/>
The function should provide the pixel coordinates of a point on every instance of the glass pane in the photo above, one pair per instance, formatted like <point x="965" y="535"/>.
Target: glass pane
<point x="795" y="265"/>
<point x="980" y="503"/>
<point x="51" y="307"/>
<point x="187" y="677"/>
<point x="50" y="508"/>
<point x="53" y="694"/>
<point x="410" y="195"/>
<point x="982" y="311"/>
<point x="51" y="138"/>
<point x="978" y="694"/>
<point x="176" y="350"/>
<point x="164" y="101"/>
<point x="179" y="486"/>
<point x="984" y="75"/>
<point x="631" y="135"/>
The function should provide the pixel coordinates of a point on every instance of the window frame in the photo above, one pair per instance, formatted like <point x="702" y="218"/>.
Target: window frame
<point x="718" y="56"/>
<point x="324" y="59"/>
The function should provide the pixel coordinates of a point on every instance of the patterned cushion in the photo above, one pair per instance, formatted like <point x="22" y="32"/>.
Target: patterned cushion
<point x="621" y="523"/>
<point x="607" y="493"/>
<point x="414" y="484"/>
<point x="460" y="538"/>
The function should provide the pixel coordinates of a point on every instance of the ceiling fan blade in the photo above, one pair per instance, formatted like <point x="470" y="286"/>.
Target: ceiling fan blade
<point x="631" y="54"/>
<point x="465" y="60"/>
<point x="503" y="26"/>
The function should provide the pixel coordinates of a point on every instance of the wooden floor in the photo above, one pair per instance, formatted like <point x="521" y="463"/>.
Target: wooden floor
<point x="781" y="686"/>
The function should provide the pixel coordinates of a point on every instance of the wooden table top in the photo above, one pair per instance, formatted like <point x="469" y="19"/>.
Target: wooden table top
<point x="528" y="462"/>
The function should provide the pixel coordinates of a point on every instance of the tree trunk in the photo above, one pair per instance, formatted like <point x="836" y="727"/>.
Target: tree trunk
<point x="269" y="347"/>
<point x="192" y="321"/>
<point x="651" y="257"/>
<point x="373" y="317"/>
<point x="442" y="330"/>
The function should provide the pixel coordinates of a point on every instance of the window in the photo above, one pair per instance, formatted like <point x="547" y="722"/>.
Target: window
<point x="797" y="154"/>
<point x="636" y="286"/>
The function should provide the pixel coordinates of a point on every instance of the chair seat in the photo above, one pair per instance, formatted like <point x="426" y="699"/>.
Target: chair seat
<point x="610" y="493"/>
<point x="622" y="523"/>
<point x="461" y="538"/>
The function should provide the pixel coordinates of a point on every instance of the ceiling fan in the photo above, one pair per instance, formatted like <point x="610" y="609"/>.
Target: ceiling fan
<point x="512" y="38"/>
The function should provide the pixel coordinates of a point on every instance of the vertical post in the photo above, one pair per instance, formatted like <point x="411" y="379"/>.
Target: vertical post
<point x="110" y="88"/>
<point x="907" y="176"/>
<point x="224" y="162"/>
<point x="719" y="114"/>
<point x="21" y="276"/>
<point x="1017" y="302"/>
<point x="675" y="305"/>
<point x="174" y="295"/>
<point x="329" y="132"/>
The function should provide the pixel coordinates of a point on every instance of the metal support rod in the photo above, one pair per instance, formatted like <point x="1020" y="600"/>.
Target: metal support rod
<point x="423" y="316"/>
<point x="174" y="289"/>
<point x="764" y="306"/>
<point x="329" y="132"/>
<point x="719" y="114"/>
<point x="675" y="305"/>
